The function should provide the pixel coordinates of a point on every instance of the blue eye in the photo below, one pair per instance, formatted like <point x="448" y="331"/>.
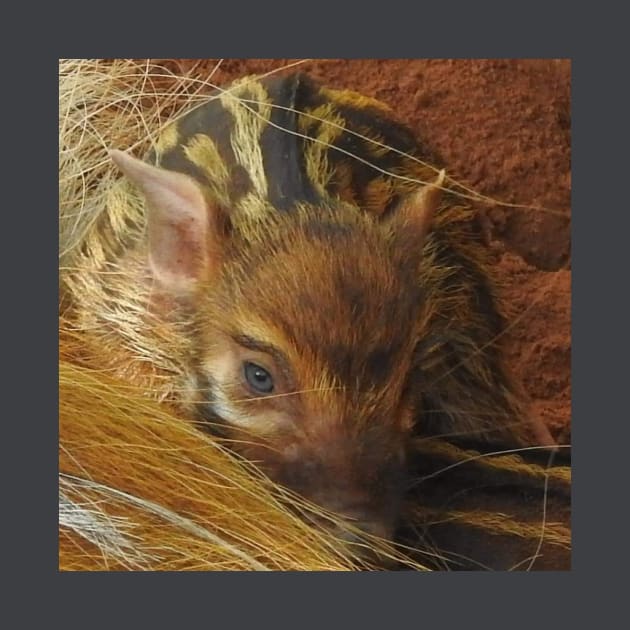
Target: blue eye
<point x="258" y="378"/>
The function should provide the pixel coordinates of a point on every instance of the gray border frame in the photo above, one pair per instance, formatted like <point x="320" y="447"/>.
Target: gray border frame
<point x="586" y="593"/>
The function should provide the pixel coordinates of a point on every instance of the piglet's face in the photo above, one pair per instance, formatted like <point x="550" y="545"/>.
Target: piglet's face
<point x="306" y="351"/>
<point x="305" y="325"/>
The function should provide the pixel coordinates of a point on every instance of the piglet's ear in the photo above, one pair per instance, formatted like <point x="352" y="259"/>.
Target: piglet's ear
<point x="183" y="242"/>
<point x="416" y="210"/>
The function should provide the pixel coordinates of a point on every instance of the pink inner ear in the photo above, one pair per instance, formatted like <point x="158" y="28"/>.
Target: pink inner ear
<point x="178" y="223"/>
<point x="177" y="252"/>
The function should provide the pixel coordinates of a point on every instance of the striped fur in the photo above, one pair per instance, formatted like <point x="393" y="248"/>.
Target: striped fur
<point x="282" y="147"/>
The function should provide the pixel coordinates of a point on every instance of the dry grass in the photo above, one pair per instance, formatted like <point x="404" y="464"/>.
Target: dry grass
<point x="141" y="489"/>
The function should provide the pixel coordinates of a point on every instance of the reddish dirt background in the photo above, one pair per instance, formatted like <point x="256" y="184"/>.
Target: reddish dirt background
<point x="504" y="128"/>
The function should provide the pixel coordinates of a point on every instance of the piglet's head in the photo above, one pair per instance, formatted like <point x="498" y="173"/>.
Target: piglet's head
<point x="305" y="326"/>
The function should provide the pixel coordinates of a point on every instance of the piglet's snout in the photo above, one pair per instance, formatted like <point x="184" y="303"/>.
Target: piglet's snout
<point x="359" y="489"/>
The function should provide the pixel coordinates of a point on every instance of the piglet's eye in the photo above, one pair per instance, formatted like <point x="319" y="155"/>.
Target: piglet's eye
<point x="258" y="378"/>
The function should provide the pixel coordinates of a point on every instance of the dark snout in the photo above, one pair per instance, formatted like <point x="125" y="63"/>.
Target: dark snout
<point x="362" y="517"/>
<point x="359" y="483"/>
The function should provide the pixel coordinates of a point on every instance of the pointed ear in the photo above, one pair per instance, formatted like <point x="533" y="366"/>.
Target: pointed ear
<point x="417" y="209"/>
<point x="183" y="242"/>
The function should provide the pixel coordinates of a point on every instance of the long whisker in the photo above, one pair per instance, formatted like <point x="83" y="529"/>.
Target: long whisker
<point x="483" y="455"/>
<point x="288" y="394"/>
<point x="544" y="513"/>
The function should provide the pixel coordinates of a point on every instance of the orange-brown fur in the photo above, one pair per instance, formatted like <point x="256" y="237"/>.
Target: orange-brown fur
<point x="384" y="334"/>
